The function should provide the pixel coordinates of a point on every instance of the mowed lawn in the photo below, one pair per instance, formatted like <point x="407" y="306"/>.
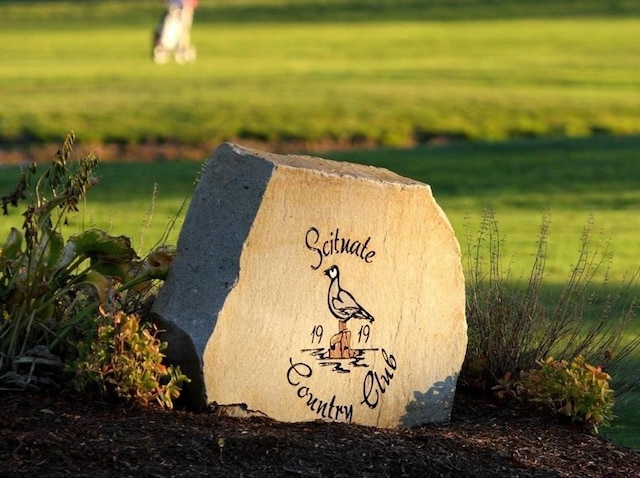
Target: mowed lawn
<point x="271" y="70"/>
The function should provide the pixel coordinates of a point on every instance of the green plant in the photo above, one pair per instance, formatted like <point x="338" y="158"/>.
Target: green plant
<point x="511" y="326"/>
<point x="52" y="291"/>
<point x="124" y="360"/>
<point x="44" y="289"/>
<point x="573" y="389"/>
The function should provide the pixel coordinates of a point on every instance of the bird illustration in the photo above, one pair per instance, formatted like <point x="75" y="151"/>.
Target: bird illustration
<point x="341" y="303"/>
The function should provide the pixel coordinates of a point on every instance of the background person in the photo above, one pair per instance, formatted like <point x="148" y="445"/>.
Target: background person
<point x="173" y="35"/>
<point x="186" y="52"/>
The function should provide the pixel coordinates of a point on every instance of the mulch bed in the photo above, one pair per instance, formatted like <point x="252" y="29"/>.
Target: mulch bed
<point x="56" y="435"/>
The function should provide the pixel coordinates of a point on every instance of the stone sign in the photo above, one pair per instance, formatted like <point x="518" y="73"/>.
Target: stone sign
<point x="313" y="289"/>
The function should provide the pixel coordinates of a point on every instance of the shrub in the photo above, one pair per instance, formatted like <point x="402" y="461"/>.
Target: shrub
<point x="45" y="289"/>
<point x="574" y="389"/>
<point x="513" y="325"/>
<point x="54" y="294"/>
<point x="124" y="360"/>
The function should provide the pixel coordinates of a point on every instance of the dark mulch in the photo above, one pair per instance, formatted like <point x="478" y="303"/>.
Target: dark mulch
<point x="58" y="436"/>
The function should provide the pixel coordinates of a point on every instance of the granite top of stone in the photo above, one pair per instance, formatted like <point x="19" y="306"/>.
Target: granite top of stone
<point x="326" y="166"/>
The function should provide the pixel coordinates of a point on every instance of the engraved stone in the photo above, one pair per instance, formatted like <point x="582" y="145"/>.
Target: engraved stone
<point x="314" y="289"/>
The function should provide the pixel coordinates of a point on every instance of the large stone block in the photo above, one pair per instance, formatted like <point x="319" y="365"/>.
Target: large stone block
<point x="314" y="289"/>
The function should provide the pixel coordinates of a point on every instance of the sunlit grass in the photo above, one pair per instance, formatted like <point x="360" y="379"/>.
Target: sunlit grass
<point x="387" y="81"/>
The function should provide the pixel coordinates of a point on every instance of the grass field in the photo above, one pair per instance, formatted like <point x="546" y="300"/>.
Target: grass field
<point x="386" y="72"/>
<point x="572" y="180"/>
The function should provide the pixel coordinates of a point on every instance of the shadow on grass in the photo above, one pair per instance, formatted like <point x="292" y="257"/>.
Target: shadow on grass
<point x="577" y="173"/>
<point x="257" y="11"/>
<point x="411" y="10"/>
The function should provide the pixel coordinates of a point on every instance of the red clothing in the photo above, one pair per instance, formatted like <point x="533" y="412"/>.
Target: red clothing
<point x="183" y="3"/>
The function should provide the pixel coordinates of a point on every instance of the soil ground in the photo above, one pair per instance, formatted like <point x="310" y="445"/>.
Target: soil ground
<point x="58" y="435"/>
<point x="43" y="153"/>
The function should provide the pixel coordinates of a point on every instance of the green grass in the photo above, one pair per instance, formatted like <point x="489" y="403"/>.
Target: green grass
<point x="138" y="200"/>
<point x="625" y="429"/>
<point x="381" y="71"/>
<point x="522" y="180"/>
<point x="572" y="180"/>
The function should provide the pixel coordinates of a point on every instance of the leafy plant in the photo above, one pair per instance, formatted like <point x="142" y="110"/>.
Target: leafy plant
<point x="55" y="294"/>
<point x="125" y="360"/>
<point x="511" y="326"/>
<point x="574" y="389"/>
<point x="43" y="287"/>
<point x="508" y="386"/>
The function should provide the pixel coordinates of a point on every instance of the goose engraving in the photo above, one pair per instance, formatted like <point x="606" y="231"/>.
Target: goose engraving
<point x="342" y="304"/>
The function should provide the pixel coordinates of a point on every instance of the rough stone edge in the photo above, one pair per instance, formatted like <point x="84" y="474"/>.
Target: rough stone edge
<point x="182" y="350"/>
<point x="186" y="356"/>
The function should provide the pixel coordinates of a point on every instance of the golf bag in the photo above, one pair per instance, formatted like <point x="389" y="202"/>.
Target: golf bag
<point x="166" y="38"/>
